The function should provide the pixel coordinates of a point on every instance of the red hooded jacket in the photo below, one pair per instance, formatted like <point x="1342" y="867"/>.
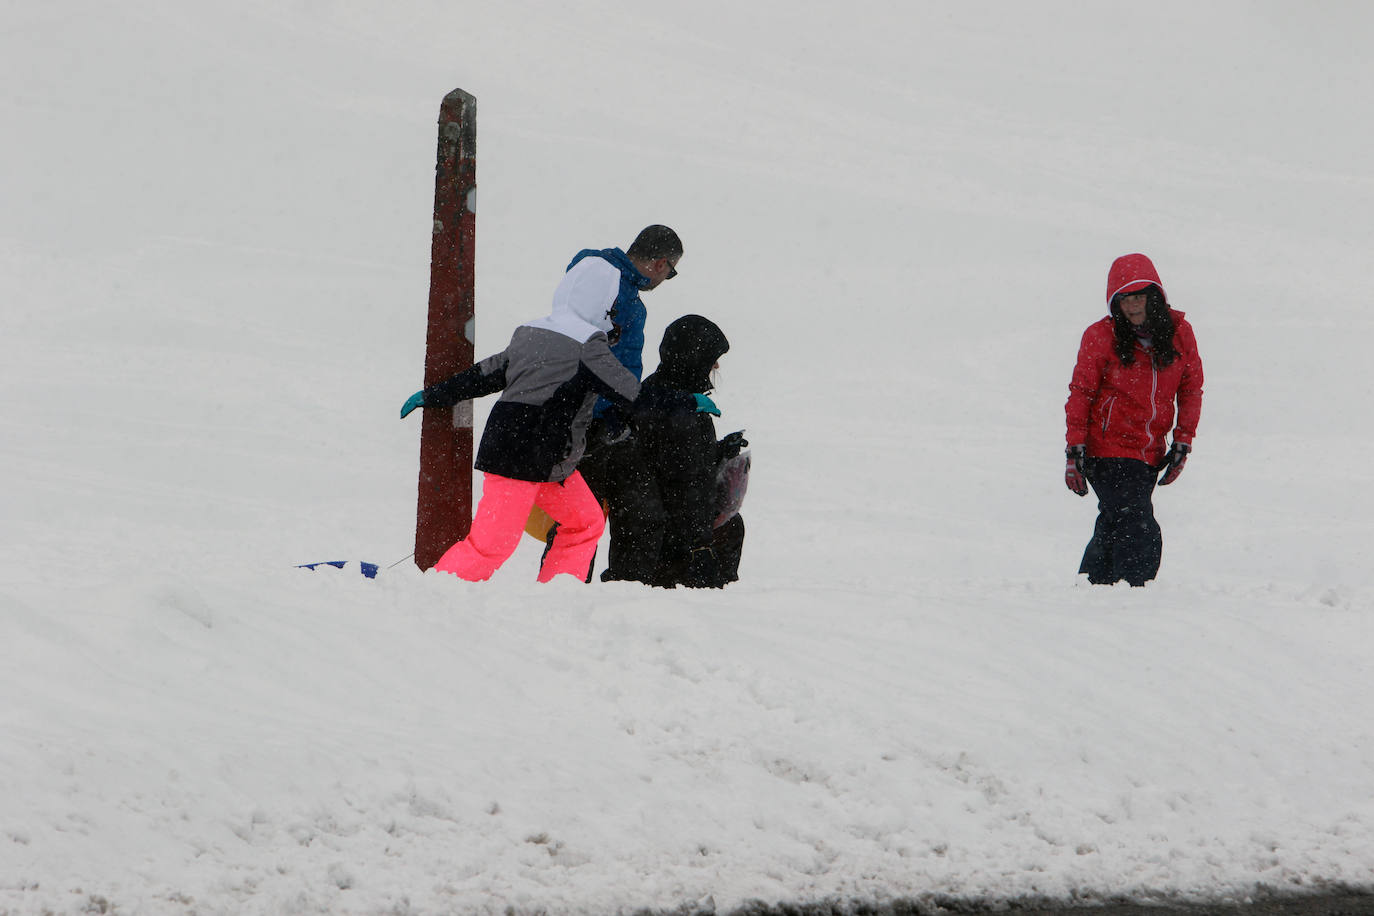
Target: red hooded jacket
<point x="1127" y="411"/>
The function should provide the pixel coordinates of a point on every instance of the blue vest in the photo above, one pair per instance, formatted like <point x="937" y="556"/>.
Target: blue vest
<point x="630" y="313"/>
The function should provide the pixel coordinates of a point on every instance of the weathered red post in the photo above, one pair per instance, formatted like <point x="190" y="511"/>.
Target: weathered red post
<point x="444" y="510"/>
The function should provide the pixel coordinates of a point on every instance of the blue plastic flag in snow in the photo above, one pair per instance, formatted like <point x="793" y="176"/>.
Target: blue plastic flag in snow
<point x="367" y="569"/>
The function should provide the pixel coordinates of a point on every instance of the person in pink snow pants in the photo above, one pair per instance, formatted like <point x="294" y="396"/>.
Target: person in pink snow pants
<point x="549" y="376"/>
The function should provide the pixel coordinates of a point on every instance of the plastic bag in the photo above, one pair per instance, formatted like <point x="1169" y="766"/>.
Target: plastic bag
<point x="732" y="482"/>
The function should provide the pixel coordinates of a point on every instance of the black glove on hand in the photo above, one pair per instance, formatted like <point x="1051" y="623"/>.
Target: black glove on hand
<point x="1073" y="469"/>
<point x="1173" y="463"/>
<point x="607" y="430"/>
<point x="730" y="446"/>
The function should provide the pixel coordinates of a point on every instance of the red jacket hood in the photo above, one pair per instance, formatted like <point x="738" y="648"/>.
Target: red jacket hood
<point x="1131" y="273"/>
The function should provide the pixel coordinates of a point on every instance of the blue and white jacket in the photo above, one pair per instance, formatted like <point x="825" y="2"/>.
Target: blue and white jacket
<point x="630" y="313"/>
<point x="549" y="377"/>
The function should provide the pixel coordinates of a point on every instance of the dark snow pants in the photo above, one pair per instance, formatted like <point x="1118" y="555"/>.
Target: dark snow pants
<point x="619" y="478"/>
<point x="727" y="542"/>
<point x="1127" y="543"/>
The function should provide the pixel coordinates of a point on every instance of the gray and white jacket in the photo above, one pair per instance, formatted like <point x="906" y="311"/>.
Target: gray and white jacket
<point x="549" y="376"/>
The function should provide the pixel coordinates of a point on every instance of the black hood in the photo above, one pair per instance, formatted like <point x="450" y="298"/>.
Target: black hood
<point x="691" y="345"/>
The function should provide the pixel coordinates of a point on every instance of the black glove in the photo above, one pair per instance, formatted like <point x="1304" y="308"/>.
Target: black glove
<point x="1173" y="463"/>
<point x="730" y="446"/>
<point x="607" y="429"/>
<point x="1073" y="469"/>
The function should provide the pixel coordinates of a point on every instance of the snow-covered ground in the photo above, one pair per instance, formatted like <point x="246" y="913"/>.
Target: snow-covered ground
<point x="214" y="244"/>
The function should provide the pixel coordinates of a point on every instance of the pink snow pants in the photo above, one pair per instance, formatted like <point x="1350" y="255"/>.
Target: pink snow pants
<point x="500" y="521"/>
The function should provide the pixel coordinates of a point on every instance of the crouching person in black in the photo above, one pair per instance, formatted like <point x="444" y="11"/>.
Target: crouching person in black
<point x="673" y="539"/>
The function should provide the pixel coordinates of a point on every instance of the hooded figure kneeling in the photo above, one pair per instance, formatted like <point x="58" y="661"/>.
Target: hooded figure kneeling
<point x="685" y="535"/>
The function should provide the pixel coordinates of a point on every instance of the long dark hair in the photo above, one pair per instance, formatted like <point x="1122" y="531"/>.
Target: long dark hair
<point x="1159" y="327"/>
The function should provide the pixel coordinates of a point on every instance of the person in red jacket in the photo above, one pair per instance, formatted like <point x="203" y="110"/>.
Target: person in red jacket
<point x="1138" y="380"/>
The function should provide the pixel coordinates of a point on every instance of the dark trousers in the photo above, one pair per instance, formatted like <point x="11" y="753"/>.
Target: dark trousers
<point x="618" y="477"/>
<point x="727" y="542"/>
<point x="641" y="548"/>
<point x="1127" y="543"/>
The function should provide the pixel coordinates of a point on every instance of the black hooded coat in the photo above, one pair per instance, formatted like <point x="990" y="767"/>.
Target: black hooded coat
<point x="666" y="536"/>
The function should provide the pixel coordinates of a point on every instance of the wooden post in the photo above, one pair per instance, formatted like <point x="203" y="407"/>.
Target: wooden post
<point x="444" y="508"/>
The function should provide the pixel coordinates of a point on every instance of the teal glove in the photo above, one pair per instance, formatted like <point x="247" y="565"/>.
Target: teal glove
<point x="706" y="405"/>
<point x="415" y="400"/>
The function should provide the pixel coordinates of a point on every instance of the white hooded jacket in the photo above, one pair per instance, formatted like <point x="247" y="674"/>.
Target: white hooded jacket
<point x="583" y="301"/>
<point x="549" y="376"/>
